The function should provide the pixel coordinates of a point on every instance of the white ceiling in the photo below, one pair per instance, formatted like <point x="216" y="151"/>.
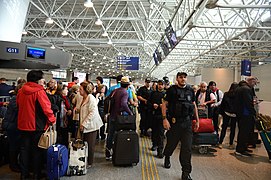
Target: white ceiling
<point x="210" y="33"/>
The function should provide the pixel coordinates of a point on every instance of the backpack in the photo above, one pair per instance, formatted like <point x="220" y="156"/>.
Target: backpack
<point x="109" y="102"/>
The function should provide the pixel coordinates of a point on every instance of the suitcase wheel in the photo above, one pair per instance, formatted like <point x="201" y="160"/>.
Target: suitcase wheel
<point x="203" y="150"/>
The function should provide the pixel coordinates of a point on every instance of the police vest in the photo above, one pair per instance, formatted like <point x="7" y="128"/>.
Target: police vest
<point x="182" y="106"/>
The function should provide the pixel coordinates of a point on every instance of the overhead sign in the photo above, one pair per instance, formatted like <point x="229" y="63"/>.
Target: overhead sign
<point x="246" y="68"/>
<point x="12" y="50"/>
<point x="127" y="63"/>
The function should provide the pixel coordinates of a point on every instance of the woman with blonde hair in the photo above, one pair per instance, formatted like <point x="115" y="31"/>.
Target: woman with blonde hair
<point x="90" y="120"/>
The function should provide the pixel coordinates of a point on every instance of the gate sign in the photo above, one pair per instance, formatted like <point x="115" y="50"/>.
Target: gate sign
<point x="12" y="50"/>
<point x="246" y="68"/>
<point x="127" y="63"/>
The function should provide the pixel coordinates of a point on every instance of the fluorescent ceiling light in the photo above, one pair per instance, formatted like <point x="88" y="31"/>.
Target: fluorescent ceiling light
<point x="64" y="33"/>
<point x="49" y="20"/>
<point x="88" y="4"/>
<point x="24" y="32"/>
<point x="109" y="42"/>
<point x="105" y="34"/>
<point x="99" y="22"/>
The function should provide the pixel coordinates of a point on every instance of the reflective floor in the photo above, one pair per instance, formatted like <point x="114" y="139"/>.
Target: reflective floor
<point x="217" y="164"/>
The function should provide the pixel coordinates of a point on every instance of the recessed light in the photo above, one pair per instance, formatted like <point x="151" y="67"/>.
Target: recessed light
<point x="105" y="34"/>
<point x="109" y="42"/>
<point x="104" y="57"/>
<point x="52" y="47"/>
<point x="95" y="54"/>
<point x="83" y="58"/>
<point x="88" y="4"/>
<point x="99" y="22"/>
<point x="64" y="33"/>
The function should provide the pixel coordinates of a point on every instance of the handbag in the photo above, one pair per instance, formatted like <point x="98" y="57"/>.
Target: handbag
<point x="48" y="138"/>
<point x="125" y="122"/>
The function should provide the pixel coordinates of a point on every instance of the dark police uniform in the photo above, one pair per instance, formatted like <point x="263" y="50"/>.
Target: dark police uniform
<point x="145" y="114"/>
<point x="157" y="124"/>
<point x="180" y="111"/>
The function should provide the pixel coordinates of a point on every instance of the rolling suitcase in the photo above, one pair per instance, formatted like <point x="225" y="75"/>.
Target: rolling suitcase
<point x="78" y="159"/>
<point x="125" y="148"/>
<point x="57" y="161"/>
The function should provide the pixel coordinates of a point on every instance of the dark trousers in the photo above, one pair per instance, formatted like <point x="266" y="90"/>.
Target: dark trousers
<point x="158" y="132"/>
<point x="245" y="125"/>
<point x="14" y="139"/>
<point x="145" y="119"/>
<point x="91" y="139"/>
<point x="183" y="134"/>
<point x="215" y="118"/>
<point x="226" y="120"/>
<point x="31" y="154"/>
<point x="111" y="133"/>
<point x="101" y="131"/>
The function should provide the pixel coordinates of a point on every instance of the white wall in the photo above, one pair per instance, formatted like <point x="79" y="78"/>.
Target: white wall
<point x="263" y="73"/>
<point x="223" y="77"/>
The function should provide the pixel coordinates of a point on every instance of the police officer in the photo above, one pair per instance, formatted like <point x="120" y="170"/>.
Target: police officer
<point x="180" y="100"/>
<point x="157" y="121"/>
<point x="143" y="96"/>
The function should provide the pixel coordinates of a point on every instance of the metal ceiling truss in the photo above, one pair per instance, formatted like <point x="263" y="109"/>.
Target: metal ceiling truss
<point x="211" y="33"/>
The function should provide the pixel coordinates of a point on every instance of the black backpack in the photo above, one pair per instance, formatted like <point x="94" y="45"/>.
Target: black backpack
<point x="109" y="102"/>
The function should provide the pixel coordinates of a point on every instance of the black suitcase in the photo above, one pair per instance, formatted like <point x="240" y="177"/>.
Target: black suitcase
<point x="125" y="148"/>
<point x="205" y="138"/>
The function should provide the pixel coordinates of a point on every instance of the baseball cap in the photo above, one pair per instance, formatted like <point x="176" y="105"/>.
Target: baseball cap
<point x="148" y="79"/>
<point x="166" y="79"/>
<point x="160" y="81"/>
<point x="181" y="73"/>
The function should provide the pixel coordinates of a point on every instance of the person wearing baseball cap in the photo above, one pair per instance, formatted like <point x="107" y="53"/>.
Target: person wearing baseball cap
<point x="179" y="102"/>
<point x="143" y="96"/>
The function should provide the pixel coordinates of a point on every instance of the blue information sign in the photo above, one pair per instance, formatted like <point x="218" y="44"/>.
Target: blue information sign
<point x="12" y="50"/>
<point x="246" y="68"/>
<point x="127" y="63"/>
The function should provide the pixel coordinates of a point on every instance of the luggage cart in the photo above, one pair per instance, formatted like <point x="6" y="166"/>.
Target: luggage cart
<point x="203" y="141"/>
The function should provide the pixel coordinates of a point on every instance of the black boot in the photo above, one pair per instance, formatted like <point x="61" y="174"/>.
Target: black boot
<point x="160" y="153"/>
<point x="167" y="162"/>
<point x="186" y="176"/>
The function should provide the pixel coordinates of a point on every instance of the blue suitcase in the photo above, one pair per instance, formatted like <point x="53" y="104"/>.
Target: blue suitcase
<point x="57" y="161"/>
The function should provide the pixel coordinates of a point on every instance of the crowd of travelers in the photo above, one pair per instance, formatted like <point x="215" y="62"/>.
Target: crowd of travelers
<point x="35" y="104"/>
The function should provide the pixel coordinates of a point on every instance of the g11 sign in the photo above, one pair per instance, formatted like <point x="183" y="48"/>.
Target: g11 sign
<point x="127" y="63"/>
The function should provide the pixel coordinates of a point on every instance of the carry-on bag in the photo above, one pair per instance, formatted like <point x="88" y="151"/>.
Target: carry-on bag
<point x="57" y="161"/>
<point x="125" y="148"/>
<point x="125" y="122"/>
<point x="77" y="160"/>
<point x="205" y="138"/>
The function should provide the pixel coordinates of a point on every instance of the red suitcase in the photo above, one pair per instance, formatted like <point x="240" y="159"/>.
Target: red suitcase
<point x="205" y="125"/>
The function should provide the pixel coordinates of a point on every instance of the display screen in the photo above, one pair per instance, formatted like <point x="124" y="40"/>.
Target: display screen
<point x="36" y="53"/>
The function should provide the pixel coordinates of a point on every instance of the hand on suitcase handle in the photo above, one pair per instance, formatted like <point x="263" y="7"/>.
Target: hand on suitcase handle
<point x="166" y="124"/>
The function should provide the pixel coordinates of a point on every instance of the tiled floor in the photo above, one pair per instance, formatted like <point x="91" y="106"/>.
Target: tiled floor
<point x="217" y="164"/>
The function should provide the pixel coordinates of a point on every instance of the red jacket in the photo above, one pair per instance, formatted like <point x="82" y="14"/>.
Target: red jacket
<point x="34" y="108"/>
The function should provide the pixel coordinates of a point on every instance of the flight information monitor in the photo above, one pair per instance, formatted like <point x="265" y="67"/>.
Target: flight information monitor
<point x="35" y="53"/>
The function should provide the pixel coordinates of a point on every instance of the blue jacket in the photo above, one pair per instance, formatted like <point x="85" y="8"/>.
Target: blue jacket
<point x="11" y="116"/>
<point x="4" y="89"/>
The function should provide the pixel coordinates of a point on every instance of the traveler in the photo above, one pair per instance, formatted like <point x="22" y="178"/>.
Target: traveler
<point x="90" y="120"/>
<point x="229" y="116"/>
<point x="34" y="117"/>
<point x="180" y="100"/>
<point x="245" y="114"/>
<point x="120" y="99"/>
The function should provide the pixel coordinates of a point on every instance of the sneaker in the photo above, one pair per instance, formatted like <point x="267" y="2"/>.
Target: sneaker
<point x="108" y="154"/>
<point x="167" y="162"/>
<point x="231" y="146"/>
<point x="244" y="154"/>
<point x="186" y="176"/>
<point x="154" y="148"/>
<point x="160" y="155"/>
